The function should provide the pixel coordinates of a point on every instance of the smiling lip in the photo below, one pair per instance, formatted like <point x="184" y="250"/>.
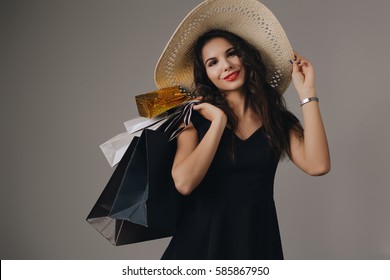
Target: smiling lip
<point x="232" y="76"/>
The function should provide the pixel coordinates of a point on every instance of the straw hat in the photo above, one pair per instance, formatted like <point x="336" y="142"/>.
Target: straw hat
<point x="249" y="19"/>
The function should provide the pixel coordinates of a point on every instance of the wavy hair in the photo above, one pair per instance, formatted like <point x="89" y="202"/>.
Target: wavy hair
<point x="262" y="98"/>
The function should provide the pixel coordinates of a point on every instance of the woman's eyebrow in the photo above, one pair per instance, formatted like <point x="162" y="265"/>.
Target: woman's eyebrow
<point x="229" y="49"/>
<point x="211" y="58"/>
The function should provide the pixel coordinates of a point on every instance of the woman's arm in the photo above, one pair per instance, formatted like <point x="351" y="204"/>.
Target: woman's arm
<point x="310" y="153"/>
<point x="193" y="159"/>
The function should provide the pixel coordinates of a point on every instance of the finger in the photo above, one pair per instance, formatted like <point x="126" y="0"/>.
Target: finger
<point x="300" y="62"/>
<point x="303" y="62"/>
<point x="197" y="107"/>
<point x="299" y="57"/>
<point x="295" y="66"/>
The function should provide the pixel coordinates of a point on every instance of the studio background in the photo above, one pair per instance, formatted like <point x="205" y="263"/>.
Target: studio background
<point x="69" y="71"/>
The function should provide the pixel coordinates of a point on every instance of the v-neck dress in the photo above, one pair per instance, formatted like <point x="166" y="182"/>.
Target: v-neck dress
<point x="231" y="214"/>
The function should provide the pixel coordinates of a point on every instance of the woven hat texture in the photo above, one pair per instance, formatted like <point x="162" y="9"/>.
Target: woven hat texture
<point x="249" y="19"/>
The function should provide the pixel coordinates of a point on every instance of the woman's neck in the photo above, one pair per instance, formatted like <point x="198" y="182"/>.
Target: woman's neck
<point x="236" y="101"/>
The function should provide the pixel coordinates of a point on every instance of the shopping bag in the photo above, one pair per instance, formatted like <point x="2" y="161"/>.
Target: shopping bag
<point x="120" y="232"/>
<point x="147" y="195"/>
<point x="139" y="123"/>
<point x="161" y="211"/>
<point x="154" y="103"/>
<point x="114" y="148"/>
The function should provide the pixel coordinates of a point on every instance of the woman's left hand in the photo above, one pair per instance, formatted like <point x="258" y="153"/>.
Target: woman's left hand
<point x="303" y="76"/>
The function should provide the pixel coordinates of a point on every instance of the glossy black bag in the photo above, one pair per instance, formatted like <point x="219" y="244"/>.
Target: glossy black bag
<point x="117" y="231"/>
<point x="140" y="202"/>
<point x="147" y="195"/>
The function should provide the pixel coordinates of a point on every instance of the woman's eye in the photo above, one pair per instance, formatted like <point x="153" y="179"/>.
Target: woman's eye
<point x="232" y="53"/>
<point x="211" y="63"/>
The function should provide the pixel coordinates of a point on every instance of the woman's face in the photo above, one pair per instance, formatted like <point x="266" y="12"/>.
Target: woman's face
<point x="223" y="66"/>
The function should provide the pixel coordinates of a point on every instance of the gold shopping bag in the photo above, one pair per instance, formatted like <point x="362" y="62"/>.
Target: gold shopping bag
<point x="157" y="102"/>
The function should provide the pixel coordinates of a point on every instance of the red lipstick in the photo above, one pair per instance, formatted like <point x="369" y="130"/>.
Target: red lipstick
<point x="232" y="76"/>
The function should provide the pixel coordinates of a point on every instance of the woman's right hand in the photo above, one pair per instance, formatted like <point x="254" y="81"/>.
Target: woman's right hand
<point x="210" y="112"/>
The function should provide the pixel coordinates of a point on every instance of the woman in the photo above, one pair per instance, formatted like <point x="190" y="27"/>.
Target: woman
<point x="226" y="158"/>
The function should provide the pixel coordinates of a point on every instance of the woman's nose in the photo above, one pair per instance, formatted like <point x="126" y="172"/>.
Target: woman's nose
<point x="228" y="67"/>
<point x="226" y="64"/>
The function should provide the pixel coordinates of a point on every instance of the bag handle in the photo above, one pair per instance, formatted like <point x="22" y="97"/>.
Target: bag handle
<point x="183" y="115"/>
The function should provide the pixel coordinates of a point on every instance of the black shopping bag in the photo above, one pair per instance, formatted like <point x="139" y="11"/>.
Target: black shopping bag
<point x="147" y="195"/>
<point x="120" y="232"/>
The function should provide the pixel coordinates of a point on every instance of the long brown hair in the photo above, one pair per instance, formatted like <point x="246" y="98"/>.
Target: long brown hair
<point x="260" y="96"/>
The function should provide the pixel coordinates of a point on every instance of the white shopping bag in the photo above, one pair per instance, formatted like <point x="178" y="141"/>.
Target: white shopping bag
<point x="115" y="148"/>
<point x="140" y="123"/>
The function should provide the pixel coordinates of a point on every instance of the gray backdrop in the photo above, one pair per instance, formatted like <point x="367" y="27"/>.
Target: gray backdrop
<point x="69" y="74"/>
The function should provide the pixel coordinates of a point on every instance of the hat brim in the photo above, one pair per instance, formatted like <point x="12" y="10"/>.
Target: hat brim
<point x="249" y="19"/>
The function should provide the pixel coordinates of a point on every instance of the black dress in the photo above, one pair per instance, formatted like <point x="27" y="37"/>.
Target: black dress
<point x="231" y="214"/>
